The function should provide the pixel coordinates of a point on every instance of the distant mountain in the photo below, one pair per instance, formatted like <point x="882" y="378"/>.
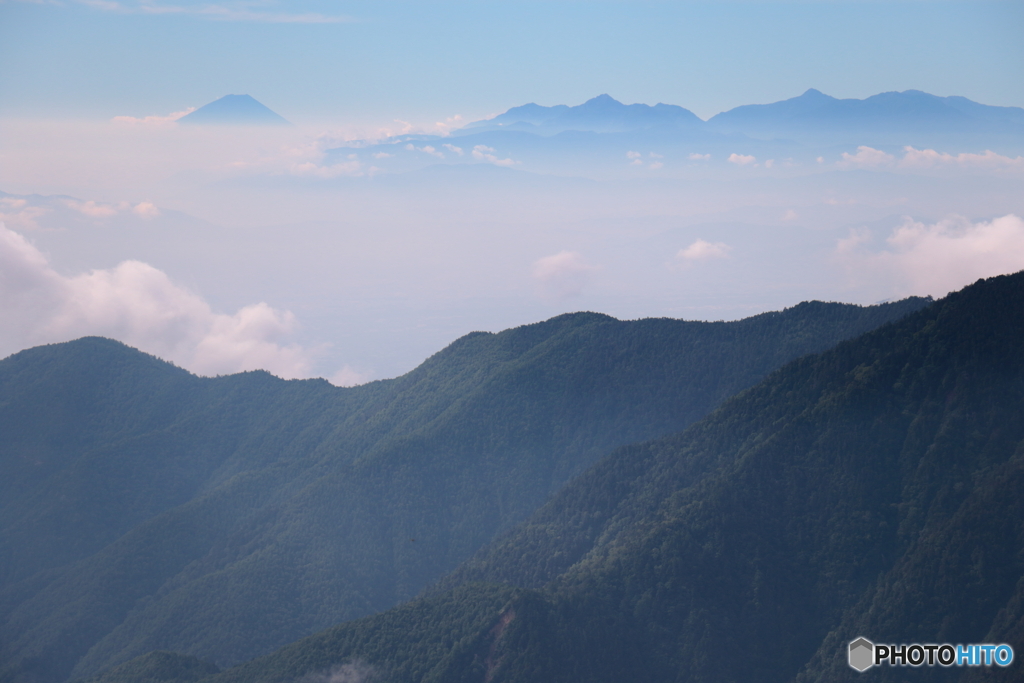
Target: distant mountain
<point x="143" y="508"/>
<point x="814" y="111"/>
<point x="873" y="491"/>
<point x="602" y="114"/>
<point x="593" y="139"/>
<point x="910" y="111"/>
<point x="234" y="110"/>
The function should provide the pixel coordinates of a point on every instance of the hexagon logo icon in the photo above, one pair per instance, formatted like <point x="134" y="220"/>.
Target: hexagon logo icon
<point x="862" y="654"/>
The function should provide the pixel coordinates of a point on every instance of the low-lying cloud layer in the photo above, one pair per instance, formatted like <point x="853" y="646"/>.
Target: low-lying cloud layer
<point x="939" y="258"/>
<point x="562" y="275"/>
<point x="389" y="258"/>
<point x="702" y="250"/>
<point x="139" y="305"/>
<point x="869" y="157"/>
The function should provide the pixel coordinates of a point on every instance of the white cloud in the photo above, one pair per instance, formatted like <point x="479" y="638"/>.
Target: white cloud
<point x="939" y="258"/>
<point x="215" y="12"/>
<point x="153" y="120"/>
<point x="699" y="157"/>
<point x="92" y="209"/>
<point x="656" y="165"/>
<point x="655" y="155"/>
<point x="19" y="213"/>
<point x="702" y="250"/>
<point x="140" y="306"/>
<point x="349" y="377"/>
<point x="426" y="149"/>
<point x="356" y="671"/>
<point x="856" y="238"/>
<point x="106" y="5"/>
<point x="485" y="153"/>
<point x="449" y="124"/>
<point x="563" y="274"/>
<point x="790" y="215"/>
<point x="382" y="155"/>
<point x="741" y="159"/>
<point x="146" y="210"/>
<point x="453" y="148"/>
<point x="769" y="163"/>
<point x="443" y="128"/>
<point x="407" y="127"/>
<point x="866" y="157"/>
<point x="926" y="158"/>
<point x="633" y="155"/>
<point x="312" y="169"/>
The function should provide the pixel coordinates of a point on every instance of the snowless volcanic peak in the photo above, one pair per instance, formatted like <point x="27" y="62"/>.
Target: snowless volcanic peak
<point x="235" y="110"/>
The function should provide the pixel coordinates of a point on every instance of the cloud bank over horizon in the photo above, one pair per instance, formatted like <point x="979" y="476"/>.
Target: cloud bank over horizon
<point x="936" y="259"/>
<point x="163" y="235"/>
<point x="140" y="306"/>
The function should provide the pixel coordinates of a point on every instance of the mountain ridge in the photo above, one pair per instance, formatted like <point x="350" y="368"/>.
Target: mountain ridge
<point x="604" y="114"/>
<point x="871" y="490"/>
<point x="224" y="517"/>
<point x="604" y="137"/>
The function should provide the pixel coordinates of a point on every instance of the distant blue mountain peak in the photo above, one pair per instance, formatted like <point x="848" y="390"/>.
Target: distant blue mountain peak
<point x="814" y="94"/>
<point x="603" y="101"/>
<point x="235" y="110"/>
<point x="601" y="114"/>
<point x="906" y="111"/>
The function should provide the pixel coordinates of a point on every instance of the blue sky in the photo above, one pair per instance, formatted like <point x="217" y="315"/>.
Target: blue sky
<point x="361" y="61"/>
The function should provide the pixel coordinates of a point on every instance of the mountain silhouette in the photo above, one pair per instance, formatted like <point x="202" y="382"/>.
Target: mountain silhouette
<point x="601" y="114"/>
<point x="144" y="508"/>
<point x="810" y="115"/>
<point x="235" y="110"/>
<point x="899" y="111"/>
<point x="869" y="491"/>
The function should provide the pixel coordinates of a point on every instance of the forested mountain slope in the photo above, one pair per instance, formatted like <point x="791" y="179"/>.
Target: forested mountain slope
<point x="874" y="490"/>
<point x="144" y="508"/>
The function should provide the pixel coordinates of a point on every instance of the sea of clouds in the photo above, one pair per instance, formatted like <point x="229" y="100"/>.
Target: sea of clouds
<point x="310" y="253"/>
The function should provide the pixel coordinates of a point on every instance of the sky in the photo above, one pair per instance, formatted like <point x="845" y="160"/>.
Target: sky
<point x="364" y="61"/>
<point x="228" y="250"/>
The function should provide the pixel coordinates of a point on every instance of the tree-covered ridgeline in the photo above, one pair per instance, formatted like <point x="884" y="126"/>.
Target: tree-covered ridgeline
<point x="874" y="490"/>
<point x="143" y="508"/>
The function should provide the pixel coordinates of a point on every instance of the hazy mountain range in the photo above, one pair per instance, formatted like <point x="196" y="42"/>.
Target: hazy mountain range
<point x="892" y="111"/>
<point x="812" y="111"/>
<point x="870" y="490"/>
<point x="603" y="134"/>
<point x="148" y="509"/>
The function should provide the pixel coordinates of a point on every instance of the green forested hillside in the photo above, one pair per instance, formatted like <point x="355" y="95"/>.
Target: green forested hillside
<point x="143" y="508"/>
<point x="874" y="490"/>
<point x="158" y="667"/>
